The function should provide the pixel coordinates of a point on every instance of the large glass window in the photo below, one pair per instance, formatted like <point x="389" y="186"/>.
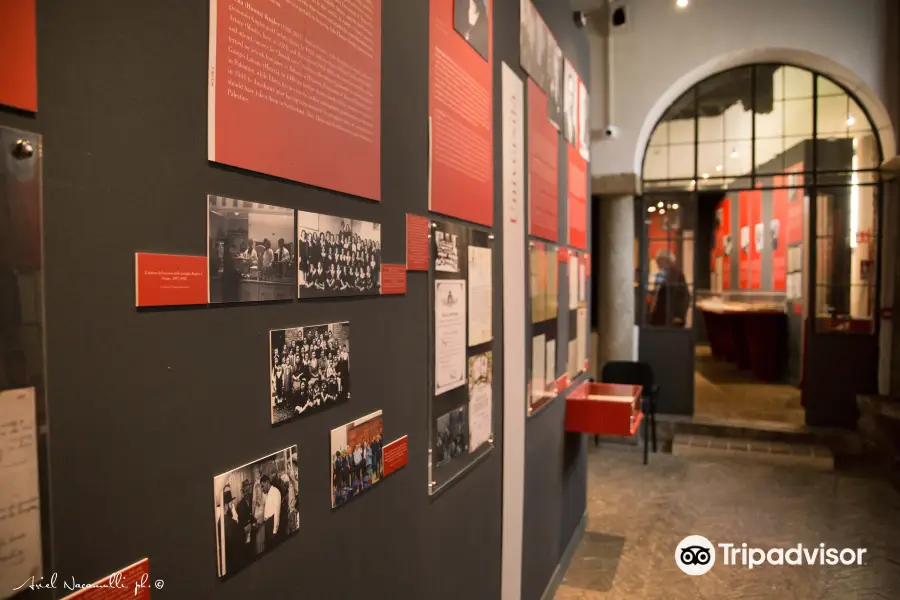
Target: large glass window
<point x="765" y="136"/>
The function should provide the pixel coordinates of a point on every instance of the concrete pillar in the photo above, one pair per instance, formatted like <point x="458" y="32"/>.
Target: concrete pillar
<point x="614" y="284"/>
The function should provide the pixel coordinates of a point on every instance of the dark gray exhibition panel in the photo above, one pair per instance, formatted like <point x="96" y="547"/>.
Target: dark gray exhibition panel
<point x="147" y="406"/>
<point x="555" y="462"/>
<point x="670" y="351"/>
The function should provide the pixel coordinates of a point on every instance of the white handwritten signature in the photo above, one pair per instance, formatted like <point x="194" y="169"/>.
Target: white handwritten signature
<point x="115" y="582"/>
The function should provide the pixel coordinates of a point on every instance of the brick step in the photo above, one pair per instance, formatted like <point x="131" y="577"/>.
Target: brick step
<point x="768" y="451"/>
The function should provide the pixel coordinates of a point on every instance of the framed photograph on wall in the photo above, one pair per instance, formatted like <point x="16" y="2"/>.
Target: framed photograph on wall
<point x="337" y="256"/>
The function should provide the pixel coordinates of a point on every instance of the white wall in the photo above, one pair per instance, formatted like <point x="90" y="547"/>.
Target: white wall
<point x="665" y="50"/>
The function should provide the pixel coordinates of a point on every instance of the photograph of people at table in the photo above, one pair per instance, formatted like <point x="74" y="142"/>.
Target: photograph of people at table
<point x="251" y="251"/>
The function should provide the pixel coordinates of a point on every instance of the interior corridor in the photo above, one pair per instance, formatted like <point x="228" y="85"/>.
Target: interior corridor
<point x="637" y="516"/>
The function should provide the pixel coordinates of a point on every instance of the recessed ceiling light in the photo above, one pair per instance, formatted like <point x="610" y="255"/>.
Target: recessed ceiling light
<point x="681" y="3"/>
<point x="659" y="204"/>
<point x="651" y="209"/>
<point x="662" y="211"/>
<point x="675" y="206"/>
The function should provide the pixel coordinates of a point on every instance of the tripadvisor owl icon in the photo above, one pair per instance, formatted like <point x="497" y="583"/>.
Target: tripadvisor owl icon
<point x="695" y="555"/>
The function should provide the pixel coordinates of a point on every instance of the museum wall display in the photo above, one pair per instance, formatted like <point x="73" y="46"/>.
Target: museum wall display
<point x="193" y="300"/>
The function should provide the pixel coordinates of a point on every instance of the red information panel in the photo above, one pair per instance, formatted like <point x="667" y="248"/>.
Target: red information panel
<point x="393" y="279"/>
<point x="417" y="246"/>
<point x="778" y="232"/>
<point x="577" y="199"/>
<point x="396" y="455"/>
<point x="460" y="107"/>
<point x="562" y="254"/>
<point x="757" y="239"/>
<point x="726" y="231"/>
<point x="131" y="583"/>
<point x="543" y="168"/>
<point x="794" y="231"/>
<point x="295" y="90"/>
<point x="743" y="245"/>
<point x="18" y="47"/>
<point x="170" y="280"/>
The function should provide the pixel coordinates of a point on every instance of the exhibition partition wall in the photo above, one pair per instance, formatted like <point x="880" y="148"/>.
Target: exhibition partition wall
<point x="225" y="212"/>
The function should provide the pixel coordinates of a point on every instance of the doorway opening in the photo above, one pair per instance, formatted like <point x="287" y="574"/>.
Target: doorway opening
<point x="757" y="247"/>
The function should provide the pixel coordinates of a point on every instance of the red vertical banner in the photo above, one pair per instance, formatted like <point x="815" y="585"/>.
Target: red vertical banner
<point x="577" y="212"/>
<point x="460" y="102"/>
<point x="757" y="239"/>
<point x="295" y="91"/>
<point x="18" y="47"/>
<point x="727" y="244"/>
<point x="743" y="245"/>
<point x="417" y="243"/>
<point x="543" y="168"/>
<point x="777" y="233"/>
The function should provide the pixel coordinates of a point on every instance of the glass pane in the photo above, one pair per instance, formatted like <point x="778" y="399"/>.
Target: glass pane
<point x="739" y="158"/>
<point x="681" y="131"/>
<point x="833" y="118"/>
<point x="846" y="251"/>
<point x="660" y="135"/>
<point x="679" y="119"/>
<point x="710" y="158"/>
<point x="769" y="102"/>
<point x="826" y="87"/>
<point x="681" y="161"/>
<point x="798" y="83"/>
<point x="768" y="155"/>
<point x="798" y="117"/>
<point x="723" y="105"/>
<point x="656" y="163"/>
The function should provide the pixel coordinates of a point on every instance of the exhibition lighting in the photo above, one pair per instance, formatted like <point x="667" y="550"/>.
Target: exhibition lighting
<point x="718" y="168"/>
<point x="705" y="176"/>
<point x="651" y="209"/>
<point x="681" y="3"/>
<point x="659" y="204"/>
<point x="675" y="206"/>
<point x="850" y="120"/>
<point x="662" y="211"/>
<point x="733" y="153"/>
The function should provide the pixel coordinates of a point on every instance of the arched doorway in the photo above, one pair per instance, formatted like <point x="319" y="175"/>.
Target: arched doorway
<point x="758" y="247"/>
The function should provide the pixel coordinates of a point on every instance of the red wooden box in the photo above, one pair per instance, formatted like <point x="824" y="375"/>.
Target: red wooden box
<point x="604" y="409"/>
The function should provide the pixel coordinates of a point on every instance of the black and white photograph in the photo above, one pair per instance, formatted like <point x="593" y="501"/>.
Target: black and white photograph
<point x="758" y="237"/>
<point x="357" y="460"/>
<point x="452" y="434"/>
<point x="584" y="125"/>
<point x="570" y="104"/>
<point x="257" y="509"/>
<point x="745" y="240"/>
<point x="527" y="35"/>
<point x="337" y="256"/>
<point x="251" y="251"/>
<point x="471" y="21"/>
<point x="774" y="231"/>
<point x="447" y="244"/>
<point x="555" y="85"/>
<point x="309" y="369"/>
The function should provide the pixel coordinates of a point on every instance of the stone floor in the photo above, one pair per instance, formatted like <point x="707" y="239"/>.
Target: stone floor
<point x="723" y="392"/>
<point x="637" y="516"/>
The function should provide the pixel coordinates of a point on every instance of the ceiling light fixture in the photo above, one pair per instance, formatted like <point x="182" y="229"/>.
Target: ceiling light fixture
<point x="662" y="211"/>
<point x="675" y="207"/>
<point x="651" y="209"/>
<point x="718" y="168"/>
<point x="734" y="153"/>
<point x="705" y="176"/>
<point x="850" y="121"/>
<point x="681" y="3"/>
<point x="659" y="204"/>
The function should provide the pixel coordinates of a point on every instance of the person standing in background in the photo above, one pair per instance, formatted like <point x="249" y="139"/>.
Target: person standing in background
<point x="671" y="297"/>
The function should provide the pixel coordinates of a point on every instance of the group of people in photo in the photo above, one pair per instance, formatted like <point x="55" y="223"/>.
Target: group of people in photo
<point x="309" y="372"/>
<point x="259" y="516"/>
<point x="452" y="435"/>
<point x="339" y="262"/>
<point x="356" y="468"/>
<point x="270" y="262"/>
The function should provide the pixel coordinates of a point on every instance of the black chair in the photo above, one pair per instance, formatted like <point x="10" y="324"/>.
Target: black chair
<point x="637" y="373"/>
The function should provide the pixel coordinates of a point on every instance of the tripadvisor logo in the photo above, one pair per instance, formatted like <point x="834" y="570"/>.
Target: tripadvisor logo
<point x="696" y="555"/>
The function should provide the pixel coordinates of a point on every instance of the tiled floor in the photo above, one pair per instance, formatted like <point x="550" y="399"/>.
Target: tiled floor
<point x="722" y="391"/>
<point x="637" y="516"/>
